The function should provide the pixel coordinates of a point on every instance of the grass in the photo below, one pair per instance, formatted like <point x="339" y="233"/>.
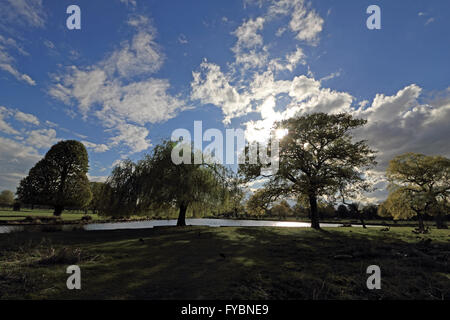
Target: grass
<point x="226" y="263"/>
<point x="10" y="215"/>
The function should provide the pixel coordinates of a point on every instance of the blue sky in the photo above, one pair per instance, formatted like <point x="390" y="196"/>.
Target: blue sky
<point x="137" y="70"/>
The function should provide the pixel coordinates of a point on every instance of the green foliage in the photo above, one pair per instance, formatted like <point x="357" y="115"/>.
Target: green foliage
<point x="282" y="209"/>
<point x="59" y="179"/>
<point x="119" y="195"/>
<point x="317" y="158"/>
<point x="419" y="185"/>
<point x="97" y="191"/>
<point x="6" y="198"/>
<point x="156" y="183"/>
<point x="257" y="204"/>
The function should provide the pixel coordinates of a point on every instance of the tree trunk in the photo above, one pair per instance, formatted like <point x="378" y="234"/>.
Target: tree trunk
<point x="58" y="210"/>
<point x="440" y="221"/>
<point x="362" y="220"/>
<point x="314" y="216"/>
<point x="182" y="216"/>
<point x="421" y="225"/>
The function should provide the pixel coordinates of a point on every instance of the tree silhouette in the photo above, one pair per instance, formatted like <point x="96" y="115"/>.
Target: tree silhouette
<point x="59" y="179"/>
<point x="315" y="158"/>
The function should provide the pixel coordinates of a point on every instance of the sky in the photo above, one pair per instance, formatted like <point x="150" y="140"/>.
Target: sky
<point x="137" y="70"/>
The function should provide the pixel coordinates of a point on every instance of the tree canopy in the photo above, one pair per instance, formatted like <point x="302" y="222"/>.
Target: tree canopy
<point x="317" y="157"/>
<point x="6" y="198"/>
<point x="157" y="181"/>
<point x="419" y="185"/>
<point x="59" y="179"/>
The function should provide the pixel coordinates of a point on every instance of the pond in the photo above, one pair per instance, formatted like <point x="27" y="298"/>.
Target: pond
<point x="158" y="223"/>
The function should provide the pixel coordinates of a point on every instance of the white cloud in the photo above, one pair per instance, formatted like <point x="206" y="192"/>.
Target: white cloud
<point x="97" y="178"/>
<point x="141" y="56"/>
<point x="135" y="137"/>
<point x="430" y="20"/>
<point x="331" y="76"/>
<point x="249" y="50"/>
<point x="400" y="123"/>
<point x="4" y="126"/>
<point x="307" y="24"/>
<point x="26" y="117"/>
<point x="109" y="91"/>
<point x="19" y="76"/>
<point x="290" y="61"/>
<point x="49" y="44"/>
<point x="211" y="86"/>
<point x="7" y="61"/>
<point x="15" y="161"/>
<point x="11" y="43"/>
<point x="129" y="2"/>
<point x="25" y="12"/>
<point x="42" y="138"/>
<point x="99" y="148"/>
<point x="247" y="34"/>
<point x="182" y="39"/>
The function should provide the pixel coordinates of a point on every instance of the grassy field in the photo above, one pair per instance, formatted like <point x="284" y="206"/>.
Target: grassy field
<point x="10" y="215"/>
<point x="226" y="263"/>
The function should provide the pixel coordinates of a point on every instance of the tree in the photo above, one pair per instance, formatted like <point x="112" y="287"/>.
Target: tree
<point x="96" y="201"/>
<point x="315" y="158"/>
<point x="356" y="211"/>
<point x="236" y="194"/>
<point x="6" y="198"/>
<point x="59" y="179"/>
<point x="342" y="211"/>
<point x="419" y="185"/>
<point x="163" y="182"/>
<point x="120" y="193"/>
<point x="257" y="204"/>
<point x="282" y="209"/>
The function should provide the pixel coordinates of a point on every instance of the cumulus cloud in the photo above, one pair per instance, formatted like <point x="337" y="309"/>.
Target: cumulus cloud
<point x="141" y="56"/>
<point x="15" y="161"/>
<point x="305" y="23"/>
<point x="99" y="148"/>
<point x="109" y="90"/>
<point x="135" y="137"/>
<point x="211" y="86"/>
<point x="42" y="138"/>
<point x="400" y="123"/>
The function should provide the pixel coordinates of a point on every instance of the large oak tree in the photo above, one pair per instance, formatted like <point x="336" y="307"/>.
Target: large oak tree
<point x="317" y="158"/>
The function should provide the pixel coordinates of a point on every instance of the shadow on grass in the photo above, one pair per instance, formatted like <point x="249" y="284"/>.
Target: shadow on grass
<point x="233" y="263"/>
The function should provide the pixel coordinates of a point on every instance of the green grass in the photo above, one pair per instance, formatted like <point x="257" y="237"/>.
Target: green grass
<point x="226" y="263"/>
<point x="10" y="215"/>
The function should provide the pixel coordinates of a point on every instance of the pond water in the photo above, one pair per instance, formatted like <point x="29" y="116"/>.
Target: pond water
<point x="157" y="223"/>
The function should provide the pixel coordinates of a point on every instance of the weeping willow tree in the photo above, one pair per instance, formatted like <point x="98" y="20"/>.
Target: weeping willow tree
<point x="184" y="184"/>
<point x="156" y="184"/>
<point x="419" y="185"/>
